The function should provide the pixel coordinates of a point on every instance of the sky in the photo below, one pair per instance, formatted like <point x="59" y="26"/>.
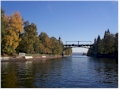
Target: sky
<point x="71" y="20"/>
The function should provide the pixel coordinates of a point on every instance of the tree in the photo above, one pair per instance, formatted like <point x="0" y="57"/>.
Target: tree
<point x="28" y="38"/>
<point x="108" y="44"/>
<point x="98" y="39"/>
<point x="15" y="38"/>
<point x="101" y="47"/>
<point x="4" y="23"/>
<point x="95" y="47"/>
<point x="116" y="42"/>
<point x="106" y="47"/>
<point x="13" y="28"/>
<point x="97" y="44"/>
<point x="57" y="48"/>
<point x="45" y="40"/>
<point x="116" y="46"/>
<point x="37" y="45"/>
<point x="106" y="33"/>
<point x="68" y="51"/>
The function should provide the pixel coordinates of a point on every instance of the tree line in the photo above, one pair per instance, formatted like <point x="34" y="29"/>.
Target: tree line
<point x="22" y="36"/>
<point x="105" y="47"/>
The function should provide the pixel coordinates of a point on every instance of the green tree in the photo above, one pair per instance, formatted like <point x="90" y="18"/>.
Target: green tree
<point x="101" y="47"/>
<point x="57" y="47"/>
<point x="36" y="45"/>
<point x="4" y="23"/>
<point x="106" y="46"/>
<point x="28" y="38"/>
<point x="45" y="40"/>
<point x="116" y="42"/>
<point x="116" y="46"/>
<point x="97" y="44"/>
<point x="68" y="51"/>
<point x="108" y="43"/>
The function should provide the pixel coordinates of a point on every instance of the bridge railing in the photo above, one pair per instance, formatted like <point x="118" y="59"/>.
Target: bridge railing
<point x="79" y="42"/>
<point x="78" y="45"/>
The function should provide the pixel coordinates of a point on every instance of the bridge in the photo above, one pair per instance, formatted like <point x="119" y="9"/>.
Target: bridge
<point x="67" y="46"/>
<point x="77" y="45"/>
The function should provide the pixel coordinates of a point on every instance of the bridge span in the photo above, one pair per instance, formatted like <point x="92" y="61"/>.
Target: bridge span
<point x="67" y="46"/>
<point x="77" y="45"/>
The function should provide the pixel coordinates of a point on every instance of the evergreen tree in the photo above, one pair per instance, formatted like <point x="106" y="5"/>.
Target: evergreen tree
<point x="108" y="43"/>
<point x="97" y="44"/>
<point x="106" y="46"/>
<point x="116" y="42"/>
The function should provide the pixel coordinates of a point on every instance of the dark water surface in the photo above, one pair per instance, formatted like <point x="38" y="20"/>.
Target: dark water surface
<point x="75" y="71"/>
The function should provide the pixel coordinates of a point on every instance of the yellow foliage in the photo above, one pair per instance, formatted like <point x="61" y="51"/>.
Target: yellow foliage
<point x="8" y="39"/>
<point x="5" y="18"/>
<point x="16" y="22"/>
<point x="14" y="27"/>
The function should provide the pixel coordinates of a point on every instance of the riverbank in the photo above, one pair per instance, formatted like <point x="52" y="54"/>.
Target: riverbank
<point x="15" y="59"/>
<point x="114" y="56"/>
<point x="110" y="56"/>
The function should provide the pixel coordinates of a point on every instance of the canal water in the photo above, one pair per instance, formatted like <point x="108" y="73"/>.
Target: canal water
<point x="76" y="71"/>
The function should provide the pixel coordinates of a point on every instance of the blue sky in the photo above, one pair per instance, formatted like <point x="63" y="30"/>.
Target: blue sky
<point x="72" y="20"/>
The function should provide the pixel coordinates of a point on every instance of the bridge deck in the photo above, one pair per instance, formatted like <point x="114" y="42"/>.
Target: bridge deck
<point x="78" y="45"/>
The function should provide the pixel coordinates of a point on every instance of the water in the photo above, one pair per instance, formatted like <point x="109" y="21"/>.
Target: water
<point x="76" y="71"/>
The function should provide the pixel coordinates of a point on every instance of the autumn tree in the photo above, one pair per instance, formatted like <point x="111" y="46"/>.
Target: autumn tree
<point x="13" y="27"/>
<point x="17" y="36"/>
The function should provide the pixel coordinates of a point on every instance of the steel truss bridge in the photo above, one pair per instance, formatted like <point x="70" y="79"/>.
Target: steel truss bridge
<point x="77" y="45"/>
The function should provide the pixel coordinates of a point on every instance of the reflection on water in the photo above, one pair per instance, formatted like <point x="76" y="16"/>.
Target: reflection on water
<point x="106" y="71"/>
<point x="71" y="72"/>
